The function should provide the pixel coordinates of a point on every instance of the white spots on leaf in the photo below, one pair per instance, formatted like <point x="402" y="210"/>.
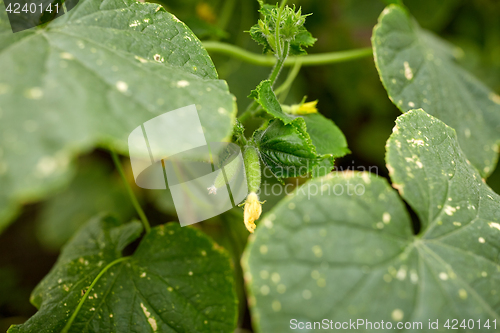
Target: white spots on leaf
<point x="66" y="55"/>
<point x="462" y="294"/>
<point x="204" y="253"/>
<point x="458" y="224"/>
<point x="291" y="206"/>
<point x="143" y="275"/>
<point x="443" y="276"/>
<point x="80" y="44"/>
<point x="34" y="93"/>
<point x="264" y="289"/>
<point x="413" y="276"/>
<point x="401" y="274"/>
<point x="484" y="274"/>
<point x="151" y="320"/>
<point x="281" y="288"/>
<point x="397" y="314"/>
<point x="146" y="20"/>
<point x="264" y="275"/>
<point x="449" y="210"/>
<point x="182" y="84"/>
<point x="494" y="98"/>
<point x="141" y="59"/>
<point x="366" y="178"/>
<point x="46" y="166"/>
<point x="190" y="273"/>
<point x="110" y="315"/>
<point x="411" y="104"/>
<point x="263" y="249"/>
<point x="92" y="309"/>
<point x="408" y="71"/>
<point x="157" y="57"/>
<point x="187" y="37"/>
<point x="419" y="164"/>
<point x="276" y="305"/>
<point x="467" y="133"/>
<point x="222" y="110"/>
<point x="481" y="240"/>
<point x="317" y="251"/>
<point x="386" y="217"/>
<point x="170" y="289"/>
<point x="416" y="142"/>
<point x="134" y="23"/>
<point x="494" y="225"/>
<point x="275" y="277"/>
<point x="268" y="223"/>
<point x="122" y="86"/>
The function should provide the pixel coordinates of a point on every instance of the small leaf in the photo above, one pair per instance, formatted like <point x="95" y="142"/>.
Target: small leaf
<point x="417" y="70"/>
<point x="342" y="246"/>
<point x="301" y="40"/>
<point x="177" y="280"/>
<point x="328" y="139"/>
<point x="88" y="79"/>
<point x="286" y="149"/>
<point x="265" y="96"/>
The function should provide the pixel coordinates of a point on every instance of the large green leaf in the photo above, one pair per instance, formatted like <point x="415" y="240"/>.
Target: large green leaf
<point x="342" y="247"/>
<point x="177" y="280"/>
<point x="417" y="70"/>
<point x="286" y="149"/>
<point x="89" y="78"/>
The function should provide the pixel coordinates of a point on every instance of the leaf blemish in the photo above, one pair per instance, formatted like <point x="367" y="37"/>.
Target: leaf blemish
<point x="151" y="320"/>
<point x="408" y="71"/>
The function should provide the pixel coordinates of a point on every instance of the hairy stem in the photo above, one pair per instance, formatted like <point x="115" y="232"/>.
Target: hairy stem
<point x="131" y="194"/>
<point x="307" y="60"/>
<point x="285" y="86"/>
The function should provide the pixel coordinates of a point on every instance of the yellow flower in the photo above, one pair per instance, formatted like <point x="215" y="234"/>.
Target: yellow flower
<point x="302" y="108"/>
<point x="252" y="211"/>
<point x="309" y="107"/>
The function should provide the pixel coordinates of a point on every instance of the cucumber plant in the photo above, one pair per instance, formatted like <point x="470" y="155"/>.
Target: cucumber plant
<point x="342" y="246"/>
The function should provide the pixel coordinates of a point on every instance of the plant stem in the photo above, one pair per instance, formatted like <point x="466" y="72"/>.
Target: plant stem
<point x="131" y="194"/>
<point x="289" y="79"/>
<point x="307" y="60"/>
<point x="89" y="289"/>
<point x="279" y="64"/>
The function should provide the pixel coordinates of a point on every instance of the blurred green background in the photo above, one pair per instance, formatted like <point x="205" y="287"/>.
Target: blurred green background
<point x="349" y="93"/>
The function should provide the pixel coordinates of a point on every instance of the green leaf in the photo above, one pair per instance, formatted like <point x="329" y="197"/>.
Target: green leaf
<point x="342" y="247"/>
<point x="301" y="40"/>
<point x="177" y="280"/>
<point x="417" y="70"/>
<point x="88" y="79"/>
<point x="96" y="188"/>
<point x="286" y="149"/>
<point x="265" y="96"/>
<point x="328" y="139"/>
